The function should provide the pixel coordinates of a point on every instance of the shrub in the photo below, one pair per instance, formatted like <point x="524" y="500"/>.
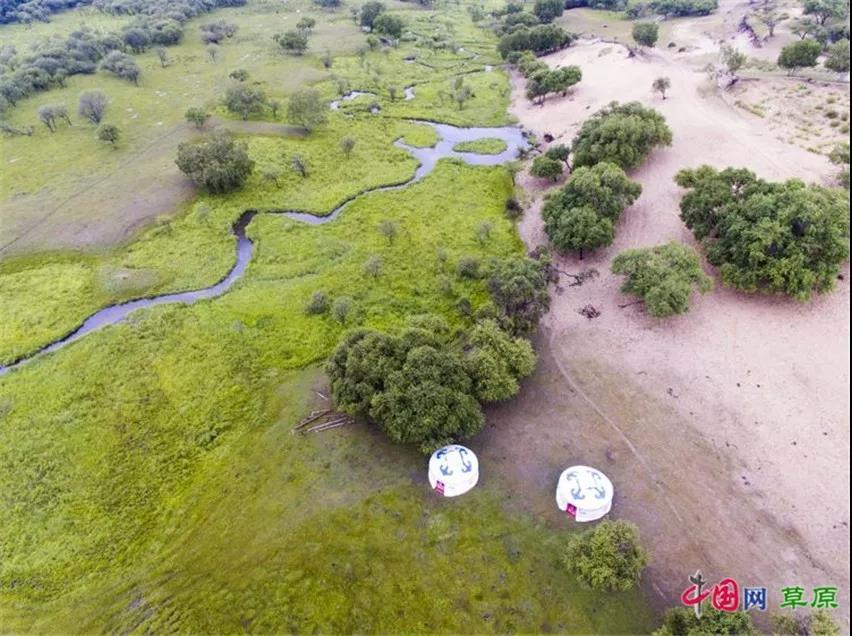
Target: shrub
<point x="799" y="54"/>
<point x="318" y="304"/>
<point x="197" y="116"/>
<point x="468" y="267"/>
<point x="837" y="59"/>
<point x="293" y="41"/>
<point x="341" y="309"/>
<point x="663" y="277"/>
<point x="646" y="33"/>
<point x="388" y="24"/>
<point x="682" y="620"/>
<point x="548" y="10"/>
<point x="546" y="168"/>
<point x="108" y="133"/>
<point x="216" y="163"/>
<point x="607" y="557"/>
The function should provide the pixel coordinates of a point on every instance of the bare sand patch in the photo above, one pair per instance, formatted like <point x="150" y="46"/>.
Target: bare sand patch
<point x="736" y="414"/>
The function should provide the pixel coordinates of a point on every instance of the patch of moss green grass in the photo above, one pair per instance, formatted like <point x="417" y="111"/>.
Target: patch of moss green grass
<point x="484" y="146"/>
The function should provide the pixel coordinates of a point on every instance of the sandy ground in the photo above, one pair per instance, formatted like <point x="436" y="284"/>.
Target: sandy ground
<point x="732" y="422"/>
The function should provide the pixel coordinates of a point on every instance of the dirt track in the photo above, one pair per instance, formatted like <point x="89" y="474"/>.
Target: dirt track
<point x="730" y="424"/>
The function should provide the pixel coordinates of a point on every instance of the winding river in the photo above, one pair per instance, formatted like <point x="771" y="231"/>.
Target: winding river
<point x="448" y="136"/>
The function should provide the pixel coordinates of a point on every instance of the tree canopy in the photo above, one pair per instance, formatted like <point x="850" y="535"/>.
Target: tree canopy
<point x="548" y="10"/>
<point x="662" y="276"/>
<point x="646" y="33"/>
<point x="581" y="216"/>
<point x="837" y="59"/>
<point x="682" y="621"/>
<point x="245" y="100"/>
<point x="305" y="108"/>
<point x="538" y="39"/>
<point x="623" y="134"/>
<point x="787" y="237"/>
<point x="800" y="54"/>
<point x="607" y="557"/>
<point x="216" y="162"/>
<point x="419" y="385"/>
<point x="518" y="289"/>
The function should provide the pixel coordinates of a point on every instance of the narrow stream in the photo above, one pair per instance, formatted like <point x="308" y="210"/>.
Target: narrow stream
<point x="448" y="135"/>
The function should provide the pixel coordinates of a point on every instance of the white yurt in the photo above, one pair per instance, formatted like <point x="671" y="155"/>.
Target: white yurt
<point x="584" y="493"/>
<point x="453" y="470"/>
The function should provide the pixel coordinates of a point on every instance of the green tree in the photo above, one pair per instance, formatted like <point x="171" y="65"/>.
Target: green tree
<point x="604" y="187"/>
<point x="663" y="277"/>
<point x="347" y="145"/>
<point x="108" y="133"/>
<point x="318" y="304"/>
<point x="544" y="167"/>
<point x="389" y="25"/>
<point x="559" y="152"/>
<point x="837" y="59"/>
<point x="608" y="557"/>
<point x="518" y="288"/>
<point x="825" y="10"/>
<point x="306" y="109"/>
<point x="732" y="58"/>
<point x="293" y="41"/>
<point x="197" y="116"/>
<point x="661" y="85"/>
<point x="623" y="134"/>
<point x="245" y="101"/>
<point x="819" y="623"/>
<point x="682" y="621"/>
<point x="369" y="12"/>
<point x="216" y="162"/>
<point x="548" y="10"/>
<point x="787" y="237"/>
<point x="579" y="230"/>
<point x="306" y="24"/>
<point x="429" y="401"/>
<point x="646" y="33"/>
<point x="799" y="55"/>
<point x="495" y="362"/>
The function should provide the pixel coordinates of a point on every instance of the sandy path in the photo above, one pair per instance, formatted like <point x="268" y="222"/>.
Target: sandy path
<point x="763" y="383"/>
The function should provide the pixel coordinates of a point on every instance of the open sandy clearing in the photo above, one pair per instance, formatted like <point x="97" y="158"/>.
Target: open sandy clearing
<point x="754" y="463"/>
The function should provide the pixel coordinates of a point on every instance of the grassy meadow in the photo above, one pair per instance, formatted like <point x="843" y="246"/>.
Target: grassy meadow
<point x="149" y="476"/>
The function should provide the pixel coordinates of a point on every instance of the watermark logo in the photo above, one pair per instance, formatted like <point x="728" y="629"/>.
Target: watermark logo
<point x="725" y="596"/>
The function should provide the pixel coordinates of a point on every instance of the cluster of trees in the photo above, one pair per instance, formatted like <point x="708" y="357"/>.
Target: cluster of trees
<point x="663" y="277"/>
<point x="581" y="216"/>
<point x="92" y="106"/>
<point x="806" y="53"/>
<point x="682" y="620"/>
<point x="158" y="23"/>
<point x="426" y="385"/>
<point x="787" y="238"/>
<point x="540" y="39"/>
<point x="542" y="80"/>
<point x="645" y="8"/>
<point x="670" y="8"/>
<point x="216" y="162"/>
<point x="304" y="108"/>
<point x="27" y="11"/>
<point x="608" y="557"/>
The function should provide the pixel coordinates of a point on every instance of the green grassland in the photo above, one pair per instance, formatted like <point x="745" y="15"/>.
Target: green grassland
<point x="150" y="479"/>
<point x="484" y="146"/>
